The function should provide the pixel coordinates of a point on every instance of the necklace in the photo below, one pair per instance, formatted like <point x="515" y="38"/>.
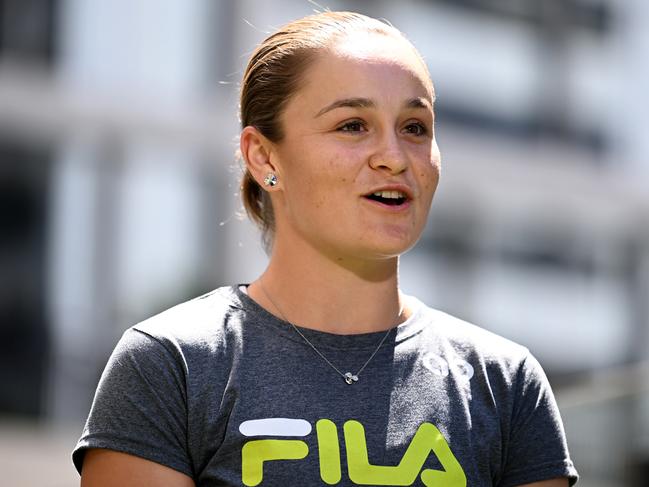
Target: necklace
<point x="348" y="376"/>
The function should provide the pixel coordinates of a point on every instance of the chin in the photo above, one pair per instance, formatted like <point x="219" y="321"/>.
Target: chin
<point x="370" y="244"/>
<point x="388" y="250"/>
<point x="396" y="241"/>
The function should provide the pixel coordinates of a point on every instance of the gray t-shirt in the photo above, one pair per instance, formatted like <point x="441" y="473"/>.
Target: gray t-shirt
<point x="223" y="391"/>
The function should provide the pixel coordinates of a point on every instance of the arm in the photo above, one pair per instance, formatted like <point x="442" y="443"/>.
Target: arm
<point x="561" y="482"/>
<point x="139" y="409"/>
<point x="537" y="450"/>
<point x="108" y="468"/>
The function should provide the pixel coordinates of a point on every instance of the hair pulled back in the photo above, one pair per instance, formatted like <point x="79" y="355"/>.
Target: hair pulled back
<point x="274" y="73"/>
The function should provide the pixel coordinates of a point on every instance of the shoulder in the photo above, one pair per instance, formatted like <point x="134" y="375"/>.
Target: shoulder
<point x="208" y="327"/>
<point x="471" y="338"/>
<point x="154" y="381"/>
<point x="494" y="356"/>
<point x="201" y="321"/>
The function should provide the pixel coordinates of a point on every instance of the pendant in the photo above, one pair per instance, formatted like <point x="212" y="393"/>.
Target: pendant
<point x="350" y="378"/>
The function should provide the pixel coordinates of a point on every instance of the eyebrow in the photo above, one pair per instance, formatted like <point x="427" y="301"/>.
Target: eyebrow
<point x="347" y="102"/>
<point x="420" y="102"/>
<point x="359" y="102"/>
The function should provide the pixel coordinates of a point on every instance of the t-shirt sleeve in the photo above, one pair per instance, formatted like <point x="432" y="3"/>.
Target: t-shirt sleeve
<point x="140" y="405"/>
<point x="537" y="448"/>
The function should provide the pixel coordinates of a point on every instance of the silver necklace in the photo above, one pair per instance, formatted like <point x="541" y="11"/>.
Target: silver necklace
<point x="348" y="376"/>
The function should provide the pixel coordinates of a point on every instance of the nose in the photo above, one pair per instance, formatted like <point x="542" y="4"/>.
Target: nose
<point x="389" y="156"/>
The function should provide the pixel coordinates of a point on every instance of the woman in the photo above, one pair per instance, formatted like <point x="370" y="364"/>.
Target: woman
<point x="321" y="371"/>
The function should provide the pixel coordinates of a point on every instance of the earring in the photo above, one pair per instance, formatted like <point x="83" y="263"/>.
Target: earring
<point x="270" y="179"/>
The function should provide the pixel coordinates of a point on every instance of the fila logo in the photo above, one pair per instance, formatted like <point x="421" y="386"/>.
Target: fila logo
<point x="427" y="439"/>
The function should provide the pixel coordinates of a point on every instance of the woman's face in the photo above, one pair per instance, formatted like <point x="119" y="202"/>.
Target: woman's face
<point x="358" y="163"/>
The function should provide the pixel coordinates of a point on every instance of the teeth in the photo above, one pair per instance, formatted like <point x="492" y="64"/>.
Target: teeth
<point x="390" y="194"/>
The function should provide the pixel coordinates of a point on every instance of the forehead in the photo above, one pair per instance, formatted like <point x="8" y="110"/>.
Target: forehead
<point x="366" y="44"/>
<point x="382" y="48"/>
<point x="365" y="64"/>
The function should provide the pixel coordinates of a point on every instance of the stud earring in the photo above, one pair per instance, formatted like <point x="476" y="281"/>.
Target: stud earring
<point x="270" y="179"/>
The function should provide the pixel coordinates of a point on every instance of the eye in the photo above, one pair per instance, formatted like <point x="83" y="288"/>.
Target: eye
<point x="352" y="126"/>
<point x="416" y="128"/>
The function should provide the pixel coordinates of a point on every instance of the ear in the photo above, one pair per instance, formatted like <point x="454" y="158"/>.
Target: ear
<point x="256" y="151"/>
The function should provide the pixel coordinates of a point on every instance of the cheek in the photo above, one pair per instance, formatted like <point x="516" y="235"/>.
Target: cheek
<point x="429" y="176"/>
<point x="435" y="164"/>
<point x="321" y="178"/>
<point x="317" y="186"/>
<point x="328" y="174"/>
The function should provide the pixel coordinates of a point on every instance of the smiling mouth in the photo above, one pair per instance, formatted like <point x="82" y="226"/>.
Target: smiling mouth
<point x="392" y="198"/>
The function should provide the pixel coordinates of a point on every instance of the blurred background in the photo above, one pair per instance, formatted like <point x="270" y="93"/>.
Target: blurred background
<point x="119" y="196"/>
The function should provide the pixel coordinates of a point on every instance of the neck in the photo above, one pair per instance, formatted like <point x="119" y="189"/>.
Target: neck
<point x="328" y="294"/>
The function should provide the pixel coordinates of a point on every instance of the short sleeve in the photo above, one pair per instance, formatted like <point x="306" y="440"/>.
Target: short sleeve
<point x="537" y="448"/>
<point x="140" y="406"/>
